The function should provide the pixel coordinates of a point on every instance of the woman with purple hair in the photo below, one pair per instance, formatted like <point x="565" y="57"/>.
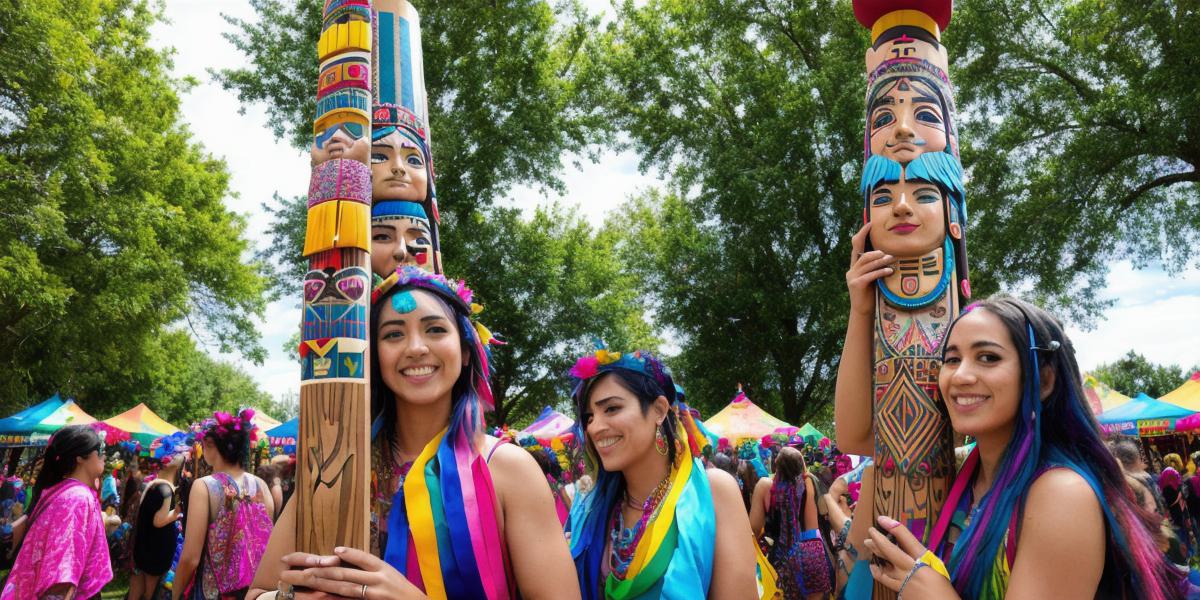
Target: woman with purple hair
<point x="1040" y="508"/>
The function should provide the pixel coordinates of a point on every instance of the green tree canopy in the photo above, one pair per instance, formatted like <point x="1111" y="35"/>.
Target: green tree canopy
<point x="113" y="227"/>
<point x="1081" y="137"/>
<point x="756" y="111"/>
<point x="1133" y="373"/>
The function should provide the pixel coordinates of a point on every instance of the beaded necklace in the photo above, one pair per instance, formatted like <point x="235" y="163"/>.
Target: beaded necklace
<point x="625" y="540"/>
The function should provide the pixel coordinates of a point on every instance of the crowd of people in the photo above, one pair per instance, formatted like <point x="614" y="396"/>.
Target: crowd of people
<point x="457" y="513"/>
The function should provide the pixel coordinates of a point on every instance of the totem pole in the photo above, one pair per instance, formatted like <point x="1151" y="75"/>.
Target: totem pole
<point x="333" y="450"/>
<point x="404" y="216"/>
<point x="913" y="196"/>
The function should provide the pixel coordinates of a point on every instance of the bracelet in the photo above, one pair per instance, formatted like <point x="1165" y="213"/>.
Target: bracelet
<point x="916" y="567"/>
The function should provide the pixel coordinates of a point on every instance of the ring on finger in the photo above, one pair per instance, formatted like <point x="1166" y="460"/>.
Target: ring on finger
<point x="364" y="591"/>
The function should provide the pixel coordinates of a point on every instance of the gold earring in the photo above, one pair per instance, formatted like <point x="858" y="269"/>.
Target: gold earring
<point x="660" y="442"/>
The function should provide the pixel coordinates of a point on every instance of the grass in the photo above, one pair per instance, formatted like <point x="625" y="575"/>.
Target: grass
<point x="118" y="588"/>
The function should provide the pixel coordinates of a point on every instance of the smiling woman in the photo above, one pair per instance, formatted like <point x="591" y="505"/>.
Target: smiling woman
<point x="455" y="513"/>
<point x="656" y="524"/>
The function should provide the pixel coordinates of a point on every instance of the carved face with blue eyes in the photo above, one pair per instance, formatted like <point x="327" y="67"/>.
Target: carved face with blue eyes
<point x="905" y="119"/>
<point x="398" y="169"/>
<point x="908" y="218"/>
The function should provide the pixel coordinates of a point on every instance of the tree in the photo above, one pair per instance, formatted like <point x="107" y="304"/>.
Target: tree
<point x="1081" y="137"/>
<point x="513" y="87"/>
<point x="754" y="109"/>
<point x="1132" y="374"/>
<point x="550" y="286"/>
<point x="113" y="226"/>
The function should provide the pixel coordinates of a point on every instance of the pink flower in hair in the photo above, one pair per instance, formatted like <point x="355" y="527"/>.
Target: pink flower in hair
<point x="586" y="367"/>
<point x="247" y="414"/>
<point x="464" y="293"/>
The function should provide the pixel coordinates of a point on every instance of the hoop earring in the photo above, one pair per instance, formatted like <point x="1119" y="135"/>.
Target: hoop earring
<point x="660" y="442"/>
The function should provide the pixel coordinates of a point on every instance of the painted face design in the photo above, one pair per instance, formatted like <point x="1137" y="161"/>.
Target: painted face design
<point x="400" y="241"/>
<point x="345" y="286"/>
<point x="341" y="140"/>
<point x="398" y="169"/>
<point x="906" y="119"/>
<point x="908" y="218"/>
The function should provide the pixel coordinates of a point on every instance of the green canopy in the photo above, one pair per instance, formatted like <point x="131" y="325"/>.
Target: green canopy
<point x="811" y="434"/>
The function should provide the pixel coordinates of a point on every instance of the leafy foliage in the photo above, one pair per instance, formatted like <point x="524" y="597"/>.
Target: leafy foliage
<point x="113" y="226"/>
<point x="1132" y="374"/>
<point x="1082" y="138"/>
<point x="513" y="88"/>
<point x="755" y="110"/>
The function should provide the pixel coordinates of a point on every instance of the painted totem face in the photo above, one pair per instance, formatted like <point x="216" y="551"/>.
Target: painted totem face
<point x="905" y="119"/>
<point x="400" y="241"/>
<point x="398" y="169"/>
<point x="342" y="140"/>
<point x="907" y="218"/>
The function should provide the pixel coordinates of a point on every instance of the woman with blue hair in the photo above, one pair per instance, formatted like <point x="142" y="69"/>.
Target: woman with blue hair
<point x="657" y="524"/>
<point x="1040" y="508"/>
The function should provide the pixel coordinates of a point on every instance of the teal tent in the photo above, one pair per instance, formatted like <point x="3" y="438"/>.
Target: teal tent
<point x="16" y="429"/>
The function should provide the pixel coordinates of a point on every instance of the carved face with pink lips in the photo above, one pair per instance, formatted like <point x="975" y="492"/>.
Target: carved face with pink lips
<point x="907" y="218"/>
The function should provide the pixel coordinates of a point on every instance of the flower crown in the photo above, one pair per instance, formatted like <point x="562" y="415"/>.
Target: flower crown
<point x="604" y="360"/>
<point x="166" y="448"/>
<point x="455" y="292"/>
<point x="223" y="423"/>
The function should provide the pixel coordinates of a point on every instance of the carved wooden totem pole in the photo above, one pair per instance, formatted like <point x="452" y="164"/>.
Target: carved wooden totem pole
<point x="404" y="216"/>
<point x="334" y="446"/>
<point x="913" y="196"/>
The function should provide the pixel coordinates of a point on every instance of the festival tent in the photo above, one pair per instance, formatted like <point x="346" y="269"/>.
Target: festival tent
<point x="1101" y="397"/>
<point x="264" y="422"/>
<point x="285" y="435"/>
<point x="811" y="435"/>
<point x="1186" y="395"/>
<point x="142" y="424"/>
<point x="16" y="429"/>
<point x="742" y="419"/>
<point x="67" y="414"/>
<point x="1142" y="415"/>
<point x="549" y="424"/>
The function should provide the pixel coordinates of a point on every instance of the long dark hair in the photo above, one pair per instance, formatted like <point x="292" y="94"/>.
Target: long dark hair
<point x="1058" y="431"/>
<point x="67" y="444"/>
<point x="785" y="520"/>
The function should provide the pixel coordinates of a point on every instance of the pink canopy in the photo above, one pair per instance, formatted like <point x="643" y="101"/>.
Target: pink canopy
<point x="549" y="424"/>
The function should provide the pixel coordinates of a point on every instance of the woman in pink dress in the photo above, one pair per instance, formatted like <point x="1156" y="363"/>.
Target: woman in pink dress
<point x="64" y="553"/>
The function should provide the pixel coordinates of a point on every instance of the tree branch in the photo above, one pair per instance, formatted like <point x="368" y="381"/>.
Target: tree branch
<point x="1171" y="179"/>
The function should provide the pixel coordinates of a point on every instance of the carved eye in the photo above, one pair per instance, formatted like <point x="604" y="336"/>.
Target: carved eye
<point x="929" y="116"/>
<point x="881" y="200"/>
<point x="883" y="119"/>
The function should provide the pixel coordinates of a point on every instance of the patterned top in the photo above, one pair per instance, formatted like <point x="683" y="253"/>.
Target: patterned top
<point x="65" y="544"/>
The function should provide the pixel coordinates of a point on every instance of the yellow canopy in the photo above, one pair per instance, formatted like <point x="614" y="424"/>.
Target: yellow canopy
<point x="1101" y="397"/>
<point x="1186" y="395"/>
<point x="142" y="424"/>
<point x="742" y="419"/>
<point x="264" y="422"/>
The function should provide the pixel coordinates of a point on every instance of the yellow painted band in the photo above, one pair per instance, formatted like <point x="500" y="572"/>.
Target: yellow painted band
<point x="338" y="224"/>
<point x="341" y="115"/>
<point x="912" y="18"/>
<point x="355" y="35"/>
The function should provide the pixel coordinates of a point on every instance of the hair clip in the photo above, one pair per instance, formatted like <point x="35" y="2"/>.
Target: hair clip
<point x="1051" y="347"/>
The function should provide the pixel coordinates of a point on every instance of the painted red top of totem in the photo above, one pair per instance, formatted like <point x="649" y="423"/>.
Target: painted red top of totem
<point x="869" y="11"/>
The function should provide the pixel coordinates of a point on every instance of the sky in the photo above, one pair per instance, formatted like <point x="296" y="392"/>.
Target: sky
<point x="1156" y="314"/>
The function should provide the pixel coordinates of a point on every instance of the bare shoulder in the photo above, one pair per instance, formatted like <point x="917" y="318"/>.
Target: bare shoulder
<point x="1061" y="504"/>
<point x="511" y="464"/>
<point x="724" y="487"/>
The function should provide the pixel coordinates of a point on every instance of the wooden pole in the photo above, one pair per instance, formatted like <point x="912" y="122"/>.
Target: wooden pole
<point x="913" y="196"/>
<point x="333" y="449"/>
